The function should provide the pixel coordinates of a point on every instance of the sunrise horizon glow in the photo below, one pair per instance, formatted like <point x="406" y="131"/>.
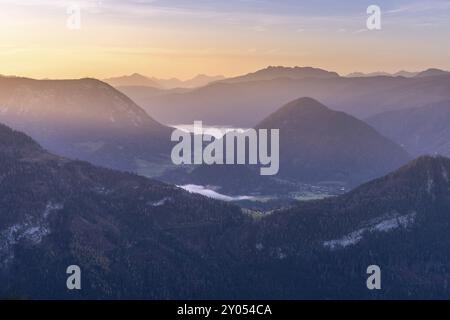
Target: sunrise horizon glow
<point x="172" y="38"/>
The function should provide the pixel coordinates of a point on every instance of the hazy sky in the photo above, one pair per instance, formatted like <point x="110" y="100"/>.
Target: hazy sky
<point x="182" y="38"/>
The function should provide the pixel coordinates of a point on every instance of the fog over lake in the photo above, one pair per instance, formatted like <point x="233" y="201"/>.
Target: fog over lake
<point x="215" y="131"/>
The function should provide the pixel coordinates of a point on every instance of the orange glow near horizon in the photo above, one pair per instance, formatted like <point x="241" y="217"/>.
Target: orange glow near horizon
<point x="167" y="42"/>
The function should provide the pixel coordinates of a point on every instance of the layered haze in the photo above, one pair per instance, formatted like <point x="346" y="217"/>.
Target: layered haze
<point x="135" y="136"/>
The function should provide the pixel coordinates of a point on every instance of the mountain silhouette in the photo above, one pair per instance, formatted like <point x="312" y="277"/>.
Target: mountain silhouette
<point x="125" y="232"/>
<point x="138" y="80"/>
<point x="134" y="237"/>
<point x="85" y="119"/>
<point x="274" y="72"/>
<point x="420" y="131"/>
<point x="318" y="144"/>
<point x="247" y="100"/>
<point x="432" y="73"/>
<point x="134" y="79"/>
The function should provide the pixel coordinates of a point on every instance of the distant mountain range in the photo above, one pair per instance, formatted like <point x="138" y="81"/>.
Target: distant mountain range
<point x="134" y="79"/>
<point x="432" y="73"/>
<point x="137" y="238"/>
<point x="142" y="94"/>
<point x="90" y="120"/>
<point x="407" y="74"/>
<point x="245" y="101"/>
<point x="143" y="81"/>
<point x="273" y="72"/>
<point x="420" y="131"/>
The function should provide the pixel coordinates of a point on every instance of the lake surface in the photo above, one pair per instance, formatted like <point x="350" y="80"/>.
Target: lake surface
<point x="215" y="131"/>
<point x="213" y="194"/>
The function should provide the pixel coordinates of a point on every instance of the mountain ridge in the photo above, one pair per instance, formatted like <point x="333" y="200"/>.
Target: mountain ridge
<point x="316" y="140"/>
<point x="421" y="130"/>
<point x="85" y="119"/>
<point x="245" y="103"/>
<point x="170" y="244"/>
<point x="122" y="229"/>
<point x="274" y="72"/>
<point x="138" y="80"/>
<point x="318" y="146"/>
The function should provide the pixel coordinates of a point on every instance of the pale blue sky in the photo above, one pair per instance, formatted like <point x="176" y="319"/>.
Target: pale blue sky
<point x="185" y="37"/>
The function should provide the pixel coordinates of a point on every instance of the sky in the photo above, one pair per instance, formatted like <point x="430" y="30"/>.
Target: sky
<point x="183" y="38"/>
